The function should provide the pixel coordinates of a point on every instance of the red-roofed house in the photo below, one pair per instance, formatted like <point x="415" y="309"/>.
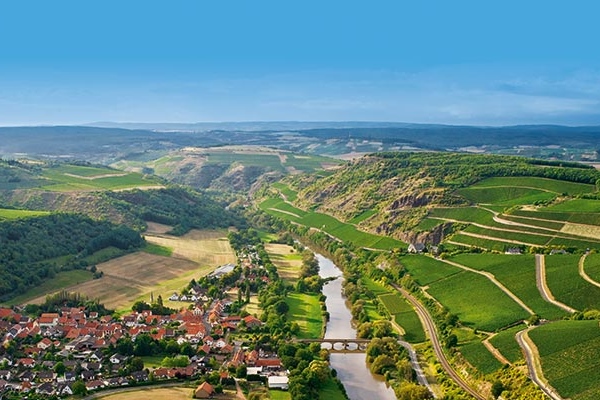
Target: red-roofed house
<point x="204" y="391"/>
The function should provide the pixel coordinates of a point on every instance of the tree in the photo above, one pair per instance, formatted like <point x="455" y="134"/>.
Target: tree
<point x="381" y="364"/>
<point x="136" y="364"/>
<point x="79" y="388"/>
<point x="452" y="341"/>
<point x="60" y="368"/>
<point x="497" y="389"/>
<point x="241" y="371"/>
<point x="412" y="391"/>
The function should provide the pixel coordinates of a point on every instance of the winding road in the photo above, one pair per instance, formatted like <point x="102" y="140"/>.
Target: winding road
<point x="582" y="272"/>
<point x="533" y="364"/>
<point x="430" y="329"/>
<point x="540" y="278"/>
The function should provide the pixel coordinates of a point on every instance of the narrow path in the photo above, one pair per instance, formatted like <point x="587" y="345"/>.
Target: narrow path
<point x="430" y="329"/>
<point x="495" y="352"/>
<point x="285" y="212"/>
<point x="495" y="281"/>
<point x="414" y="361"/>
<point x="582" y="271"/>
<point x="533" y="363"/>
<point x="542" y="285"/>
<point x="496" y="239"/>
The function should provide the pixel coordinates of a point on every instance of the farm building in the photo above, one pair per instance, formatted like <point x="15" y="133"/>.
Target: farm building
<point x="278" y="382"/>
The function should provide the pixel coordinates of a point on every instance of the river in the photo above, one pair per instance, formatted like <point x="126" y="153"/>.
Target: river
<point x="352" y="368"/>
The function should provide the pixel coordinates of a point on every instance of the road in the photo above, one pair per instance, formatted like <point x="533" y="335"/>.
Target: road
<point x="582" y="272"/>
<point x="430" y="329"/>
<point x="531" y="357"/>
<point x="540" y="278"/>
<point x="414" y="361"/>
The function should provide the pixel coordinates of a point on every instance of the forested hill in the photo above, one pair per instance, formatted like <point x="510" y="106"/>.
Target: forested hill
<point x="400" y="185"/>
<point x="35" y="249"/>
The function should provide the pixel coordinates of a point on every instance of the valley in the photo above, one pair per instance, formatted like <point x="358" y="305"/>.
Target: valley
<point x="495" y="251"/>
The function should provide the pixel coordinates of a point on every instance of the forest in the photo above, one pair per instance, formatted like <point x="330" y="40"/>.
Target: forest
<point x="34" y="249"/>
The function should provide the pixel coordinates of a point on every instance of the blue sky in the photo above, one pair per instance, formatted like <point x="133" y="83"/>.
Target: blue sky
<point x="456" y="62"/>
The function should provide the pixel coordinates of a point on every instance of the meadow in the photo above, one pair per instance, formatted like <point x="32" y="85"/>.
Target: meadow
<point x="570" y="357"/>
<point x="8" y="213"/>
<point x="305" y="310"/>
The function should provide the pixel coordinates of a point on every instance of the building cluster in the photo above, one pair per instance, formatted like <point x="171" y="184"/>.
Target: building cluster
<point x="84" y="344"/>
<point x="49" y="354"/>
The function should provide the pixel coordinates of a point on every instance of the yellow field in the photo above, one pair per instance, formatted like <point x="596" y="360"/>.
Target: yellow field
<point x="286" y="259"/>
<point x="174" y="393"/>
<point x="582" y="230"/>
<point x="203" y="247"/>
<point x="136" y="276"/>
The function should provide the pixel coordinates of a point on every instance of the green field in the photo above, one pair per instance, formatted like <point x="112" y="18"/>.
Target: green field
<point x="426" y="270"/>
<point x="477" y="301"/>
<point x="508" y="236"/>
<point x="61" y="281"/>
<point x="506" y="343"/>
<point x="478" y="356"/>
<point x="305" y="310"/>
<point x="470" y="241"/>
<point x="505" y="196"/>
<point x="308" y="162"/>
<point x="592" y="266"/>
<point x="6" y="213"/>
<point x="570" y="357"/>
<point x="589" y="218"/>
<point x="275" y="394"/>
<point x="555" y="225"/>
<point x="427" y="224"/>
<point x="362" y="216"/>
<point x="345" y="232"/>
<point x="562" y="276"/>
<point x="470" y="214"/>
<point x="577" y="206"/>
<point x="77" y="178"/>
<point x="517" y="273"/>
<point x="158" y="250"/>
<point x="290" y="194"/>
<point x="551" y="185"/>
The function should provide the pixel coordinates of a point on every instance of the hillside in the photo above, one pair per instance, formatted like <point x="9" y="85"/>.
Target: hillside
<point x="393" y="193"/>
<point x="105" y="193"/>
<point x="34" y="249"/>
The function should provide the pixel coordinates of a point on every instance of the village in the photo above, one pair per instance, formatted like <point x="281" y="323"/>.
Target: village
<point x="76" y="351"/>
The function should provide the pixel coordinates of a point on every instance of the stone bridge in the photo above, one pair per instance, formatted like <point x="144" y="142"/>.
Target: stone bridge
<point x="340" y="345"/>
